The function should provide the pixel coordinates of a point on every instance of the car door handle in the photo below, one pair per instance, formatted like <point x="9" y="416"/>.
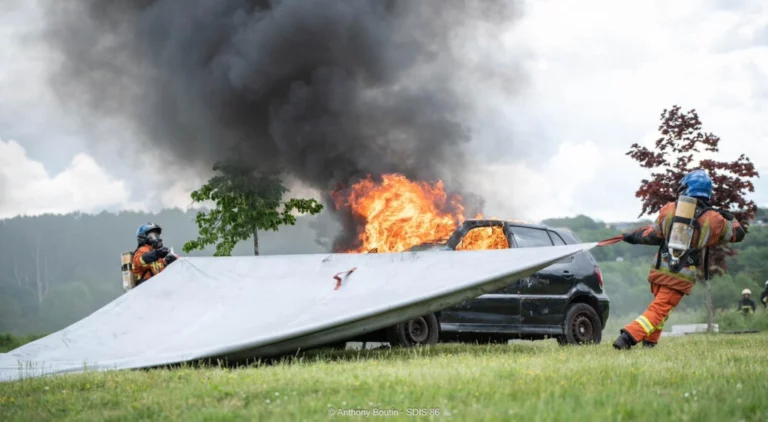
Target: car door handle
<point x="567" y="275"/>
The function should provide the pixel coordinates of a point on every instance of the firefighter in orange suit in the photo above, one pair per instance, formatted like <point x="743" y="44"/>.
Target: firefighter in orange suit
<point x="671" y="279"/>
<point x="151" y="257"/>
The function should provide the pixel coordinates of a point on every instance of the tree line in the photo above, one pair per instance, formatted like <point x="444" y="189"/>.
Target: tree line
<point x="57" y="269"/>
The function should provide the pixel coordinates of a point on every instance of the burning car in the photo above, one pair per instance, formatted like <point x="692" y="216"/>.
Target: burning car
<point x="565" y="301"/>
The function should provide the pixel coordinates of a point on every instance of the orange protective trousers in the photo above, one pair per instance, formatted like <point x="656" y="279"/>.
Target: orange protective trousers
<point x="648" y="326"/>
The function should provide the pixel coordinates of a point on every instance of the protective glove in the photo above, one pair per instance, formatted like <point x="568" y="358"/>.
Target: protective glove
<point x="169" y="259"/>
<point x="629" y="237"/>
<point x="162" y="252"/>
<point x="150" y="257"/>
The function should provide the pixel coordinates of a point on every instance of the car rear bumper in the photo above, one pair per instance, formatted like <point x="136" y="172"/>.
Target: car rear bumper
<point x="605" y="307"/>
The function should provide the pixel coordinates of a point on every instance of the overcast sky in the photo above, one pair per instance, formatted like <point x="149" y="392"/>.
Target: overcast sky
<point x="597" y="76"/>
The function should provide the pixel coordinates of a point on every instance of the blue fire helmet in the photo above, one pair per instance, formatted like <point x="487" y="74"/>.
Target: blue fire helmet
<point x="696" y="184"/>
<point x="146" y="228"/>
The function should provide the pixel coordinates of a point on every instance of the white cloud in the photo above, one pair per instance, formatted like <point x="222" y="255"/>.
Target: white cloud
<point x="532" y="193"/>
<point x="28" y="189"/>
<point x="599" y="74"/>
<point x="603" y="71"/>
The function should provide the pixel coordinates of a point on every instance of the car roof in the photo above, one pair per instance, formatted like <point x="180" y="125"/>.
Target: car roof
<point x="512" y="223"/>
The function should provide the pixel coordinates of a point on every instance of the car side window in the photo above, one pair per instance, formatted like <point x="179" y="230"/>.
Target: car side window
<point x="557" y="239"/>
<point x="531" y="238"/>
<point x="482" y="238"/>
<point x="560" y="242"/>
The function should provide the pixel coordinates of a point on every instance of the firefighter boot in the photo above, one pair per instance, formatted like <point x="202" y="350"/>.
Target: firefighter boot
<point x="625" y="341"/>
<point x="648" y="343"/>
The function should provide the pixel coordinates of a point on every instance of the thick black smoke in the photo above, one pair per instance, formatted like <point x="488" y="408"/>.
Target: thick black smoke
<point x="329" y="90"/>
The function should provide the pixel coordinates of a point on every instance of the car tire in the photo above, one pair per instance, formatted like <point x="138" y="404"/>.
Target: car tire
<point x="419" y="331"/>
<point x="581" y="326"/>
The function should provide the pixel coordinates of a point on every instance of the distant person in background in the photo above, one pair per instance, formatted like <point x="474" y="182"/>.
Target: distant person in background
<point x="746" y="305"/>
<point x="764" y="296"/>
<point x="151" y="257"/>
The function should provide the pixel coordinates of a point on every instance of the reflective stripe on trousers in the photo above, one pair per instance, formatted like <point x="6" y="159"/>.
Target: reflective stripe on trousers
<point x="650" y="324"/>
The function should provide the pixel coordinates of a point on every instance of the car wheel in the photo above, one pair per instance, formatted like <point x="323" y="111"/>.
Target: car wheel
<point x="419" y="331"/>
<point x="581" y="325"/>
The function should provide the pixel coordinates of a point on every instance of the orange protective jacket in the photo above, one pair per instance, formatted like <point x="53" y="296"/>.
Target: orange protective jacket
<point x="143" y="271"/>
<point x="714" y="229"/>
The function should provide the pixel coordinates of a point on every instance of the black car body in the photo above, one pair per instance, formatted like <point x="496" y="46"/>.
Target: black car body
<point x="565" y="301"/>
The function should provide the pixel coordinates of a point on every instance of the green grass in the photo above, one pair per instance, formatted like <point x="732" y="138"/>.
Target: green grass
<point x="699" y="377"/>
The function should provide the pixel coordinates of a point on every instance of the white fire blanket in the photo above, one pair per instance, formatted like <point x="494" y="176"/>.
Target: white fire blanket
<point x="244" y="307"/>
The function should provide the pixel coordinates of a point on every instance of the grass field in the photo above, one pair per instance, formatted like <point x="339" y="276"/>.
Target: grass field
<point x="718" y="377"/>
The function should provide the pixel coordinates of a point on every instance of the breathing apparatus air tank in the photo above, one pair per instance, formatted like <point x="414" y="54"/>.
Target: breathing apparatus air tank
<point x="127" y="267"/>
<point x="681" y="232"/>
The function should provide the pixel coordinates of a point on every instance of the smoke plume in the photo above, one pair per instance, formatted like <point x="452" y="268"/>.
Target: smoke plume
<point x="329" y="90"/>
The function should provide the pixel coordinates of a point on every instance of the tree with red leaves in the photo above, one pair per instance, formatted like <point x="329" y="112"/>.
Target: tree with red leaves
<point x="682" y="143"/>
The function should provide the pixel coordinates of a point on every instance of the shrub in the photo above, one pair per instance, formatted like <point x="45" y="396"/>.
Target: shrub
<point x="9" y="341"/>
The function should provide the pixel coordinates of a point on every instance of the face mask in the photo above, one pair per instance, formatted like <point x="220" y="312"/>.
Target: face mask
<point x="155" y="240"/>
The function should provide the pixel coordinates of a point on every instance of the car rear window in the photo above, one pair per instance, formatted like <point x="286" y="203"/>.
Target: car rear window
<point x="531" y="238"/>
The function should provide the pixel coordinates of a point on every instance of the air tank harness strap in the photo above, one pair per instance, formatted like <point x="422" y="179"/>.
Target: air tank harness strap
<point x="691" y="255"/>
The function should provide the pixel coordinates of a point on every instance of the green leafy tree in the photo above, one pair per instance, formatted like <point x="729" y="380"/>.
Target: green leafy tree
<point x="246" y="201"/>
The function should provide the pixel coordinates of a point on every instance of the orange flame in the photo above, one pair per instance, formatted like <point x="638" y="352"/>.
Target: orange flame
<point x="397" y="214"/>
<point x="482" y="238"/>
